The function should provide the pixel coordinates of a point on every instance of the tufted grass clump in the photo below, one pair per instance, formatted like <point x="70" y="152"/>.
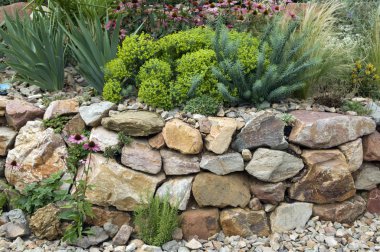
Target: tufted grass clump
<point x="356" y="107"/>
<point x="204" y="105"/>
<point x="156" y="221"/>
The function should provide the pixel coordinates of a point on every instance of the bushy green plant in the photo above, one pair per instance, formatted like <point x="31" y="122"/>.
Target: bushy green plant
<point x="37" y="195"/>
<point x="366" y="80"/>
<point x="112" y="91"/>
<point x="35" y="50"/>
<point x="57" y="123"/>
<point x="156" y="221"/>
<point x="356" y="107"/>
<point x="155" y="78"/>
<point x="124" y="139"/>
<point x="204" y="105"/>
<point x="92" y="49"/>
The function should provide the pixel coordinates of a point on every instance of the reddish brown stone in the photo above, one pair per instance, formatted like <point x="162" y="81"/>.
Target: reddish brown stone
<point x="75" y="126"/>
<point x="344" y="212"/>
<point x="19" y="112"/>
<point x="201" y="223"/>
<point x="373" y="205"/>
<point x="102" y="216"/>
<point x="157" y="142"/>
<point x="14" y="9"/>
<point x="268" y="192"/>
<point x="371" y="148"/>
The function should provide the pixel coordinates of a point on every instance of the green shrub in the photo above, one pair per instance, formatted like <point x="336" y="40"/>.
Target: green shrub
<point x="115" y="69"/>
<point x="356" y="107"/>
<point x="124" y="139"/>
<point x="204" y="105"/>
<point x="112" y="91"/>
<point x="196" y="68"/>
<point x="156" y="221"/>
<point x="57" y="123"/>
<point x="35" y="50"/>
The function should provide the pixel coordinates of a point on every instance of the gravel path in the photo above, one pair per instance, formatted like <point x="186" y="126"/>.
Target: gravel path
<point x="363" y="235"/>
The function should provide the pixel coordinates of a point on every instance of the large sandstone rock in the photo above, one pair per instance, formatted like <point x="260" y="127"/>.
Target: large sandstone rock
<point x="237" y="221"/>
<point x="321" y="130"/>
<point x="116" y="185"/>
<point x="263" y="130"/>
<point x="343" y="212"/>
<point x="327" y="180"/>
<point x="103" y="216"/>
<point x="221" y="191"/>
<point x="371" y="147"/>
<point x="353" y="151"/>
<point x="222" y="164"/>
<point x="139" y="156"/>
<point x="273" y="165"/>
<point x="290" y="216"/>
<point x="61" y="107"/>
<point x="45" y="223"/>
<point x="182" y="137"/>
<point x="74" y="126"/>
<point x="135" y="123"/>
<point x="373" y="204"/>
<point x="157" y="142"/>
<point x="175" y="163"/>
<point x="221" y="132"/>
<point x="177" y="190"/>
<point x="38" y="153"/>
<point x="202" y="223"/>
<point x="367" y="177"/>
<point x="7" y="138"/>
<point x="271" y="193"/>
<point x="104" y="138"/>
<point x="93" y="114"/>
<point x="19" y="112"/>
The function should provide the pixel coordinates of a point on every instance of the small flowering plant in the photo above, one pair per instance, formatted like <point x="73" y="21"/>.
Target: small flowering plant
<point x="365" y="80"/>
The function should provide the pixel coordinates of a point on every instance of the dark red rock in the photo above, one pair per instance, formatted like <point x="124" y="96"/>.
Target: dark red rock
<point x="373" y="204"/>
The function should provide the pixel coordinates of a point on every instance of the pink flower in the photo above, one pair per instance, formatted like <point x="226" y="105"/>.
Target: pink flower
<point x="91" y="146"/>
<point x="13" y="165"/>
<point x="276" y="8"/>
<point x="77" y="139"/>
<point x="292" y="15"/>
<point x="111" y="24"/>
<point x="122" y="33"/>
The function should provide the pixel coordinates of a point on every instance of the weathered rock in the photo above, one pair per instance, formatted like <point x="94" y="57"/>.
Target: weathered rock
<point x="104" y="138"/>
<point x="237" y="221"/>
<point x="7" y="138"/>
<point x="75" y="126"/>
<point x="204" y="126"/>
<point x="139" y="156"/>
<point x="61" y="107"/>
<point x="353" y="151"/>
<point x="124" y="188"/>
<point x="371" y="148"/>
<point x="157" y="142"/>
<point x="373" y="204"/>
<point x="135" y="123"/>
<point x="16" y="224"/>
<point x="273" y="165"/>
<point x="38" y="153"/>
<point x="148" y="248"/>
<point x="201" y="223"/>
<point x="222" y="164"/>
<point x="255" y="204"/>
<point x="122" y="237"/>
<point x="263" y="130"/>
<point x="327" y="180"/>
<point x="111" y="229"/>
<point x="102" y="216"/>
<point x="177" y="190"/>
<point x="322" y="130"/>
<point x="221" y="191"/>
<point x="247" y="155"/>
<point x="93" y="114"/>
<point x="3" y="105"/>
<point x="98" y="235"/>
<point x="221" y="132"/>
<point x="375" y="111"/>
<point x="268" y="192"/>
<point x="45" y="223"/>
<point x="343" y="212"/>
<point x="290" y="216"/>
<point x="193" y="244"/>
<point x="175" y="163"/>
<point x="182" y="137"/>
<point x="367" y="177"/>
<point x="16" y="9"/>
<point x="19" y="112"/>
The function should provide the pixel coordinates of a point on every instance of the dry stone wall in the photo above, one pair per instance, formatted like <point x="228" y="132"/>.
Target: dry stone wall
<point x="242" y="175"/>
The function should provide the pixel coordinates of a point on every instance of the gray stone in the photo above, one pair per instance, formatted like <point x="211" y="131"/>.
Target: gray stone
<point x="111" y="229"/>
<point x="122" y="237"/>
<point x="171" y="246"/>
<point x="98" y="236"/>
<point x="93" y="114"/>
<point x="263" y="130"/>
<point x="375" y="111"/>
<point x="104" y="138"/>
<point x="193" y="244"/>
<point x="290" y="216"/>
<point x="148" y="248"/>
<point x="368" y="177"/>
<point x="178" y="191"/>
<point x="222" y="164"/>
<point x="273" y="165"/>
<point x="175" y="163"/>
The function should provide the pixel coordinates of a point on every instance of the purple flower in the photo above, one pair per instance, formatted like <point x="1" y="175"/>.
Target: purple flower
<point x="77" y="139"/>
<point x="91" y="146"/>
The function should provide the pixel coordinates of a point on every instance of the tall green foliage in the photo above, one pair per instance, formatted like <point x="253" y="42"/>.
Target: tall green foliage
<point x="35" y="50"/>
<point x="284" y="75"/>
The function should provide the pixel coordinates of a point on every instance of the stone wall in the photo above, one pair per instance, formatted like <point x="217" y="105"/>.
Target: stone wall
<point x="246" y="174"/>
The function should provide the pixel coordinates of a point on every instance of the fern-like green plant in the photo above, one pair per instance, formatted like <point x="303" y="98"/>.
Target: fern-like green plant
<point x="35" y="50"/>
<point x="284" y="75"/>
